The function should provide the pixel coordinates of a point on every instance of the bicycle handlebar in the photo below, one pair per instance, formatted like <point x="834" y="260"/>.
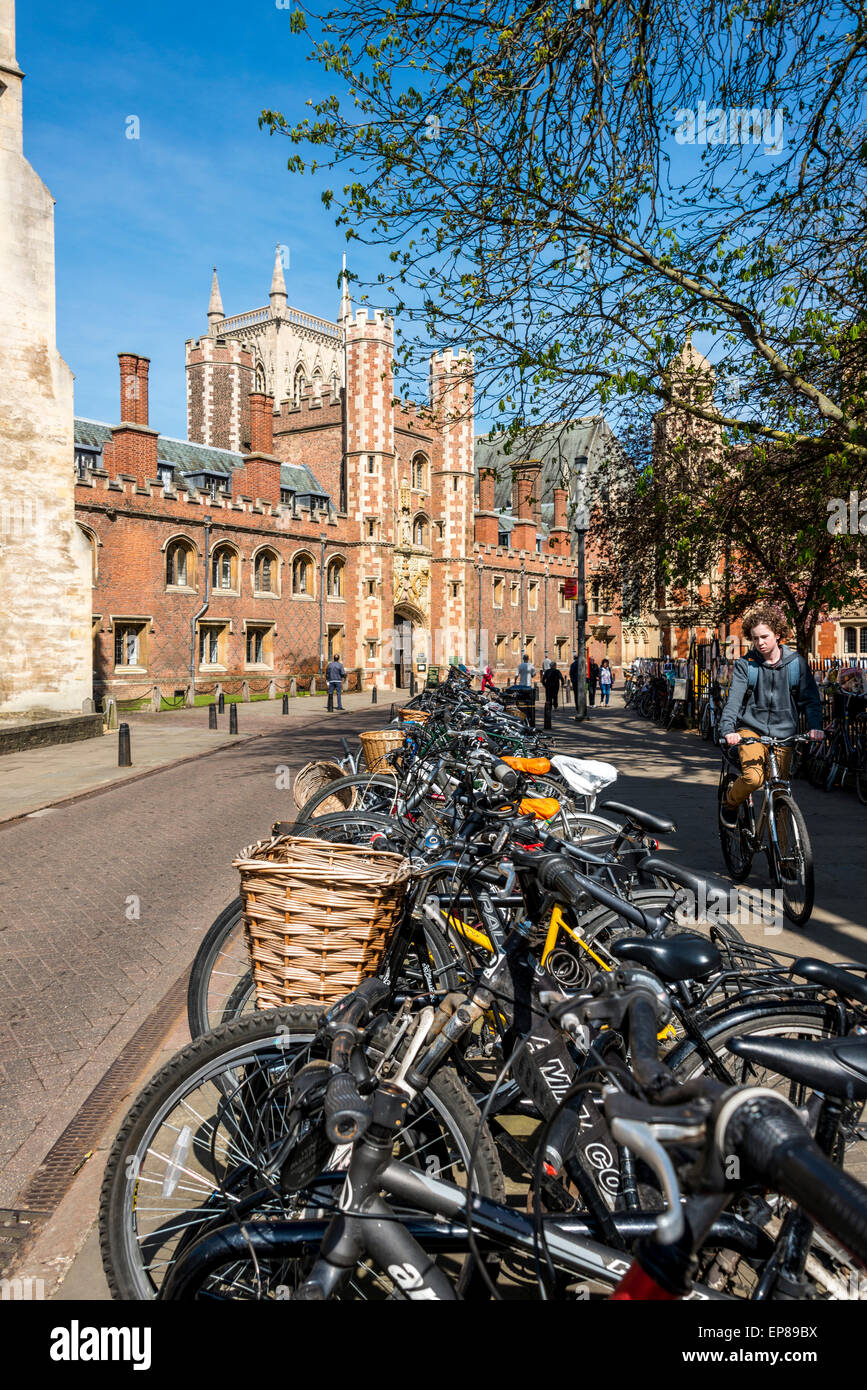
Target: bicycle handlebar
<point x="767" y="1132"/>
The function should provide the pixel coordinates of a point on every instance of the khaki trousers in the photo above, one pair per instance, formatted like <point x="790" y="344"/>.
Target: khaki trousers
<point x="754" y="768"/>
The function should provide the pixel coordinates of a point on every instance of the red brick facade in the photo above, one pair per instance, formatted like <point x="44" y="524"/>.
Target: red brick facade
<point x="194" y="585"/>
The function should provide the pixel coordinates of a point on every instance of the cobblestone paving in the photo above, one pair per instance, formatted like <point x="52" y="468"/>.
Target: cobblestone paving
<point x="102" y="906"/>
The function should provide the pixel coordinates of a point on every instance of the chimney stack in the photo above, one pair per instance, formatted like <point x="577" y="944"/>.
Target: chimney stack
<point x="486" y="527"/>
<point x="526" y="481"/>
<point x="134" y="444"/>
<point x="559" y="540"/>
<point x="260" y="476"/>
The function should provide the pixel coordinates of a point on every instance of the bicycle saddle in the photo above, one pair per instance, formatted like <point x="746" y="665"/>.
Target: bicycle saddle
<point x="706" y="890"/>
<point x="833" y="976"/>
<point x="834" y="1066"/>
<point x="684" y="957"/>
<point x="642" y="818"/>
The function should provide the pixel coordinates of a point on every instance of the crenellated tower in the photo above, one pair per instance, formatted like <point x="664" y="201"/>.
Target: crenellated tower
<point x="451" y="403"/>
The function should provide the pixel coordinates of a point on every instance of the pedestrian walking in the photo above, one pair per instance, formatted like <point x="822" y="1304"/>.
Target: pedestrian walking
<point x="334" y="674"/>
<point x="574" y="677"/>
<point x="487" y="679"/>
<point x="606" y="681"/>
<point x="526" y="672"/>
<point x="552" y="679"/>
<point x="592" y="680"/>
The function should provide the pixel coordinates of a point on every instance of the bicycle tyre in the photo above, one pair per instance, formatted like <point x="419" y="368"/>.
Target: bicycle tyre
<point x="861" y="778"/>
<point x="215" y="1055"/>
<point x="737" y="858"/>
<point x="798" y="911"/>
<point x="387" y="786"/>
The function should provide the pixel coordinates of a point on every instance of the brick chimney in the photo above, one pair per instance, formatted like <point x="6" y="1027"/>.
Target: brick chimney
<point x="134" y="444"/>
<point x="559" y="539"/>
<point x="260" y="476"/>
<point x="526" y="481"/>
<point x="486" y="525"/>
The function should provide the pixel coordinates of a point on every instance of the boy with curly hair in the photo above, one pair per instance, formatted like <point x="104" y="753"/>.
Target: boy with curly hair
<point x="770" y="687"/>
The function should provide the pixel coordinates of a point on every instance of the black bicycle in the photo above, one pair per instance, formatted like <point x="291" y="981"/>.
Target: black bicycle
<point x="770" y="821"/>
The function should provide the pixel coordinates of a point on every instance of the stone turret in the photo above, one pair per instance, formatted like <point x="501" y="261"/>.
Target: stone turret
<point x="215" y="305"/>
<point x="279" y="298"/>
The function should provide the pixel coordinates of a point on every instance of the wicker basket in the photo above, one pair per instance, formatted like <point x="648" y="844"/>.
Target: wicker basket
<point x="412" y="716"/>
<point x="317" y="916"/>
<point x="312" y="778"/>
<point x="376" y="743"/>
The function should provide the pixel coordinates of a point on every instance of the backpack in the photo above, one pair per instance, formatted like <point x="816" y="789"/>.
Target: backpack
<point x="794" y="672"/>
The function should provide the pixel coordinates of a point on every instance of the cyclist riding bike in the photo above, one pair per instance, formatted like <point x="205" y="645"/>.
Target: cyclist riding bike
<point x="769" y="689"/>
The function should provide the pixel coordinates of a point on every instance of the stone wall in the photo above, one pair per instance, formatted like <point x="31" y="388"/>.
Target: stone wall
<point x="44" y="558"/>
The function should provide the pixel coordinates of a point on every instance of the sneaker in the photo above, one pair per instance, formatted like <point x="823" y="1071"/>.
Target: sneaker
<point x="728" y="815"/>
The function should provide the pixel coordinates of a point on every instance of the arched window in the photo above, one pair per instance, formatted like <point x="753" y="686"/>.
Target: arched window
<point x="335" y="578"/>
<point x="260" y="378"/>
<point x="302" y="575"/>
<point x="180" y="565"/>
<point x="420" y="531"/>
<point x="300" y="383"/>
<point x="335" y="383"/>
<point x="420" y="473"/>
<point x="266" y="572"/>
<point x="850" y="641"/>
<point x="224" y="568"/>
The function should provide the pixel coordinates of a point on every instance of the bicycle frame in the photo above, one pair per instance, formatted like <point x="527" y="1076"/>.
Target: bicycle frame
<point x="367" y="1226"/>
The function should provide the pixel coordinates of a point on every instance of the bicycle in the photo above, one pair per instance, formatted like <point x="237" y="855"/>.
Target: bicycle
<point x="777" y="829"/>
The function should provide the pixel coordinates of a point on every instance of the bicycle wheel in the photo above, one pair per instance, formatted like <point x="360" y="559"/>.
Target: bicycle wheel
<point x="369" y="793"/>
<point x="221" y="965"/>
<point x="795" y="863"/>
<point x="735" y="850"/>
<point x="194" y="1151"/>
<point x="861" y="777"/>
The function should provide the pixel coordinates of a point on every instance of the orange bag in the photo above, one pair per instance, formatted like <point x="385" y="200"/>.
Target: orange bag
<point x="542" y="807"/>
<point x="536" y="767"/>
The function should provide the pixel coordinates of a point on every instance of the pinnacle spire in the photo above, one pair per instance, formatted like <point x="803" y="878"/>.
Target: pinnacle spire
<point x="345" y="313"/>
<point x="215" y="303"/>
<point x="278" y="284"/>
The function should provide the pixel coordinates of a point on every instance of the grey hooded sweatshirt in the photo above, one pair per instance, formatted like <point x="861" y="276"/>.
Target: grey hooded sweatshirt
<point x="772" y="708"/>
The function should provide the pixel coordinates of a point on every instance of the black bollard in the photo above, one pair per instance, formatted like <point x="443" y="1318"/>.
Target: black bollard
<point x="233" y="719"/>
<point x="212" y="716"/>
<point x="546" y="718"/>
<point x="412" y="685"/>
<point x="329" y="705"/>
<point x="392" y="714"/>
<point x="373" y="696"/>
<point x="124" y="753"/>
<point x="221" y="703"/>
<point x="285" y="704"/>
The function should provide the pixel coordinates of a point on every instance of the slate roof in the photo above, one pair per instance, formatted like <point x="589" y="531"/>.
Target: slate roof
<point x="557" y="446"/>
<point x="188" y="459"/>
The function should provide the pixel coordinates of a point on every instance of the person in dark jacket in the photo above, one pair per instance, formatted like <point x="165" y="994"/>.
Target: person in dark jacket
<point x="575" y="676"/>
<point x="552" y="679"/>
<point x="334" y="674"/>
<point x="769" y="705"/>
<point x="592" y="680"/>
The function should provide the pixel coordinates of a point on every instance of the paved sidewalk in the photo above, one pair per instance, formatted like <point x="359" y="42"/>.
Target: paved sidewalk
<point x="79" y="978"/>
<point x="38" y="778"/>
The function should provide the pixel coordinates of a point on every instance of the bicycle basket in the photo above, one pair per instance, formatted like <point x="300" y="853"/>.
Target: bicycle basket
<point x="317" y="916"/>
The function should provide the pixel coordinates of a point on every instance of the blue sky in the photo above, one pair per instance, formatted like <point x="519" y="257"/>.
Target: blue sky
<point x="140" y="223"/>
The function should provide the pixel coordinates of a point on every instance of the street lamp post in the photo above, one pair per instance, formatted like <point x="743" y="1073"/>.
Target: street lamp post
<point x="545" y="641"/>
<point x="581" y="520"/>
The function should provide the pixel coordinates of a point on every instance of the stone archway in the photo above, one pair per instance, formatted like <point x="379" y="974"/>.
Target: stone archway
<point x="409" y="622"/>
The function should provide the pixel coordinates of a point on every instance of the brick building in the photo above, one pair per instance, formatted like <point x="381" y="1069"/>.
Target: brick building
<point x="315" y="515"/>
